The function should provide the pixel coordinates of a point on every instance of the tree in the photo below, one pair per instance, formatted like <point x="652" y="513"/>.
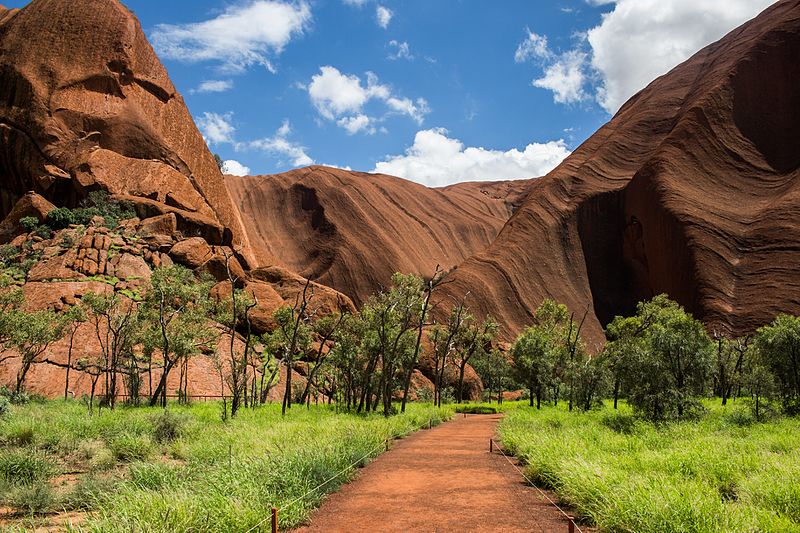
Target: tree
<point x="779" y="347"/>
<point x="473" y="338"/>
<point x="391" y="319"/>
<point x="32" y="334"/>
<point x="291" y="338"/>
<point x="175" y="307"/>
<point x="542" y="350"/>
<point x="348" y="360"/>
<point x="730" y="357"/>
<point x="114" y="318"/>
<point x="75" y="316"/>
<point x="665" y="377"/>
<point x="325" y="329"/>
<point x="494" y="369"/>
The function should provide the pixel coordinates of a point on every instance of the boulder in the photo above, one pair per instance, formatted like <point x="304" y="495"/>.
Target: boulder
<point x="130" y="266"/>
<point x="192" y="252"/>
<point x="290" y="286"/>
<point x="268" y="300"/>
<point x="159" y="225"/>
<point x="30" y="205"/>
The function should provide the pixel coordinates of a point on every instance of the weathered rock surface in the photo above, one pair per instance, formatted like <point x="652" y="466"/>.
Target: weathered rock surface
<point x="30" y="205"/>
<point x="86" y="104"/>
<point x="352" y="230"/>
<point x="691" y="189"/>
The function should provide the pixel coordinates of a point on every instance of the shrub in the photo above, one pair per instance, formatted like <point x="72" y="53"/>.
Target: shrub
<point x="128" y="448"/>
<point x="29" y="223"/>
<point x="36" y="498"/>
<point x="61" y="217"/>
<point x="5" y="407"/>
<point x="25" y="467"/>
<point x="88" y="493"/>
<point x="168" y="427"/>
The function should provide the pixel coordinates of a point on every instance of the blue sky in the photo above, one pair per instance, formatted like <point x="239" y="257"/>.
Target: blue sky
<point x="437" y="91"/>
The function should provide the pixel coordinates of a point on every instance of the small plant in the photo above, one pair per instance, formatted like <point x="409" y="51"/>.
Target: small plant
<point x="129" y="448"/>
<point x="37" y="498"/>
<point x="29" y="223"/>
<point x="5" y="407"/>
<point x="61" y="217"/>
<point x="25" y="467"/>
<point x="89" y="492"/>
<point x="168" y="427"/>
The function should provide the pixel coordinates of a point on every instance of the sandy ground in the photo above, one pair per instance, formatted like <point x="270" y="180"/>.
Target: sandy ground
<point x="442" y="479"/>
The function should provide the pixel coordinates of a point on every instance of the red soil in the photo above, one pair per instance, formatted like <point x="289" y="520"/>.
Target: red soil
<point x="443" y="479"/>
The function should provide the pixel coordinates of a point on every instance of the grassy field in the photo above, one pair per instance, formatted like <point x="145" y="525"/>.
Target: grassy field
<point x="722" y="473"/>
<point x="136" y="469"/>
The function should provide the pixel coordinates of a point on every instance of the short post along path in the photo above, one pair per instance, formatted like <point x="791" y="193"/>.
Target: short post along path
<point x="439" y="480"/>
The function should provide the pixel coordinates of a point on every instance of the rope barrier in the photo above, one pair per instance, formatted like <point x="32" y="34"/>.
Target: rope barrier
<point x="275" y="510"/>
<point x="543" y="493"/>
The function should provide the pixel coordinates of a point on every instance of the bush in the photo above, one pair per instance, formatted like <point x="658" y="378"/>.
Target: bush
<point x="88" y="493"/>
<point x="168" y="426"/>
<point x="61" y="217"/>
<point x="37" y="498"/>
<point x="128" y="448"/>
<point x="24" y="467"/>
<point x="29" y="223"/>
<point x="5" y="407"/>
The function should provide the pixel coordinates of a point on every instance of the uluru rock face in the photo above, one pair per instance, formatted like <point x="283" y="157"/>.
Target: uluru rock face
<point x="692" y="189"/>
<point x="86" y="104"/>
<point x="352" y="230"/>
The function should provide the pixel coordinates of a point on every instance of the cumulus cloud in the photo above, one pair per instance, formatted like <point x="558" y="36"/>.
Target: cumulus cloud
<point x="437" y="160"/>
<point x="233" y="167"/>
<point x="384" y="16"/>
<point x="244" y="34"/>
<point x="342" y="97"/>
<point x="216" y="128"/>
<point x="400" y="50"/>
<point x="635" y="43"/>
<point x="285" y="150"/>
<point x="642" y="39"/>
<point x="563" y="73"/>
<point x="214" y="86"/>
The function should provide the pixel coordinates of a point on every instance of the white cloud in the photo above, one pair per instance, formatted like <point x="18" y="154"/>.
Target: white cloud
<point x="216" y="128"/>
<point x="355" y="124"/>
<point x="565" y="77"/>
<point x="416" y="110"/>
<point x="233" y="167"/>
<point x="278" y="145"/>
<point x="357" y="3"/>
<point x="642" y="39"/>
<point x="437" y="160"/>
<point x="244" y="34"/>
<point x="401" y="50"/>
<point x="635" y="43"/>
<point x="342" y="97"/>
<point x="214" y="86"/>
<point x="533" y="47"/>
<point x="384" y="16"/>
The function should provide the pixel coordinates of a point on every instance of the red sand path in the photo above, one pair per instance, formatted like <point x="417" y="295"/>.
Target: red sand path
<point x="437" y="480"/>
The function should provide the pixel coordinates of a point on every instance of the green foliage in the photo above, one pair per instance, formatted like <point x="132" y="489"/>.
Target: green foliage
<point x="24" y="467"/>
<point x="664" y="357"/>
<point x="230" y="473"/>
<point x="61" y="217"/>
<point x="35" y="498"/>
<point x="778" y="351"/>
<point x="168" y="427"/>
<point x="29" y="223"/>
<point x="623" y="474"/>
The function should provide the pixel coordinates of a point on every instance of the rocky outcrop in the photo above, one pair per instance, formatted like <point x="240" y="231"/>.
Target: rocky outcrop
<point x="352" y="230"/>
<point x="85" y="104"/>
<point x="691" y="189"/>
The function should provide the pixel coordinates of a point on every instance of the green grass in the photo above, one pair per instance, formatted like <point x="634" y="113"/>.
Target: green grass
<point x="722" y="473"/>
<point x="206" y="475"/>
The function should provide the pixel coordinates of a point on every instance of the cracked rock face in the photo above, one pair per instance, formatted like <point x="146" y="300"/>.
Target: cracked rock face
<point x="86" y="104"/>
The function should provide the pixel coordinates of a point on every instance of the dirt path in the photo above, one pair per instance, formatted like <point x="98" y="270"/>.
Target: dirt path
<point x="437" y="480"/>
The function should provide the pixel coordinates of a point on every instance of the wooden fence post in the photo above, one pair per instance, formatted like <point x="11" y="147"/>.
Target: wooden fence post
<point x="274" y="520"/>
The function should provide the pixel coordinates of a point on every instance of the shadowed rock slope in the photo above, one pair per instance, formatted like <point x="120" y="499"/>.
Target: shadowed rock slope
<point x="352" y="230"/>
<point x="691" y="189"/>
<point x="86" y="104"/>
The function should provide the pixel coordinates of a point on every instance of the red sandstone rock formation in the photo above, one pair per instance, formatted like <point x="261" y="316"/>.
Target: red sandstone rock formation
<point x="86" y="104"/>
<point x="692" y="189"/>
<point x="352" y="230"/>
